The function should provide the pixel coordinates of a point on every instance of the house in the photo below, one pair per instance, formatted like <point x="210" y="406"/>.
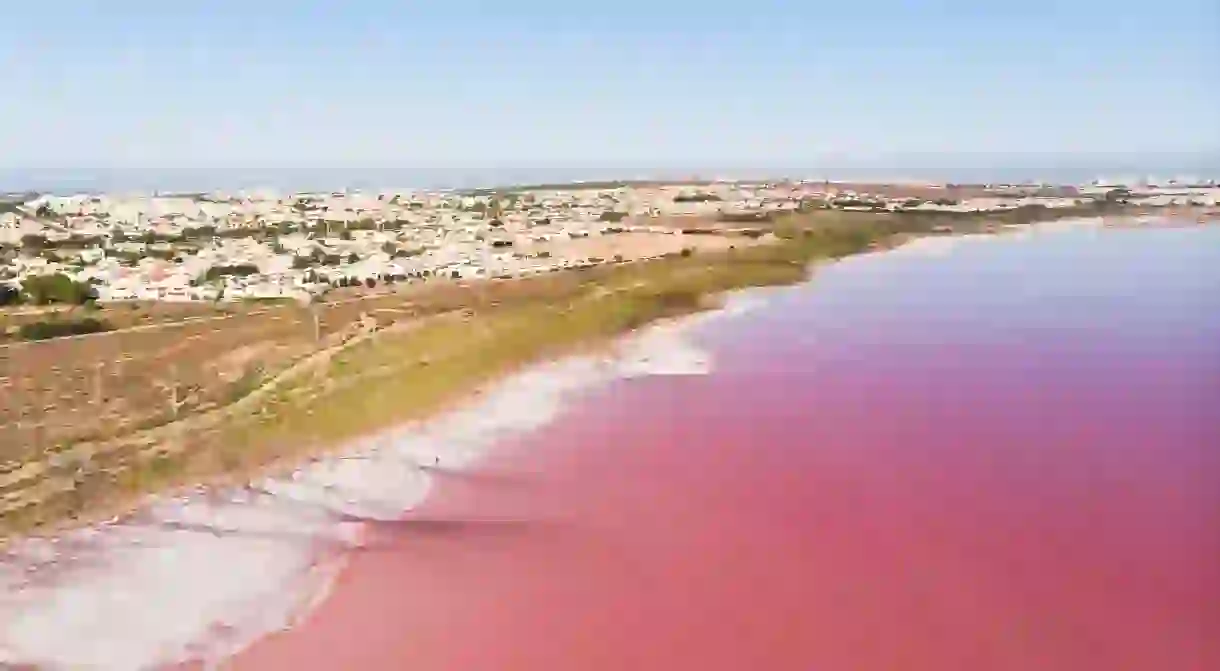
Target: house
<point x="122" y="289"/>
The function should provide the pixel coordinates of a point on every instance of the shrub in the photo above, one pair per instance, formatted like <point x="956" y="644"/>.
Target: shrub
<point x="57" y="288"/>
<point x="239" y="270"/>
<point x="697" y="198"/>
<point x="9" y="295"/>
<point x="45" y="330"/>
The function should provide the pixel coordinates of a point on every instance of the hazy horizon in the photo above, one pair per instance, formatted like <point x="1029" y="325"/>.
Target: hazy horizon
<point x="1066" y="169"/>
<point x="136" y="94"/>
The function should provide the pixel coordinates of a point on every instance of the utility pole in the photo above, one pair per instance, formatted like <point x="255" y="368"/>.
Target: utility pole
<point x="98" y="371"/>
<point x="41" y="442"/>
<point x="170" y="384"/>
<point x="173" y="390"/>
<point x="310" y="303"/>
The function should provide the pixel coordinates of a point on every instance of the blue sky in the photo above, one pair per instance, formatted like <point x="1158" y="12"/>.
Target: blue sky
<point x="376" y="84"/>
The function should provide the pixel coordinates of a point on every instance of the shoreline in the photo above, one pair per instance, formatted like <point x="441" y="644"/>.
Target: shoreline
<point x="284" y="462"/>
<point x="455" y="403"/>
<point x="326" y="546"/>
<point x="96" y="480"/>
<point x="517" y="599"/>
<point x="158" y="444"/>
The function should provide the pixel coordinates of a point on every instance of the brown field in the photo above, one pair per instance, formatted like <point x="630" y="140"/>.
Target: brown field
<point x="55" y="393"/>
<point x="630" y="246"/>
<point x="188" y="359"/>
<point x="60" y="391"/>
<point x="167" y="360"/>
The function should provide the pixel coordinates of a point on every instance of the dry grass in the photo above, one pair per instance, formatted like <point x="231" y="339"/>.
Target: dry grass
<point x="59" y="391"/>
<point x="629" y="246"/>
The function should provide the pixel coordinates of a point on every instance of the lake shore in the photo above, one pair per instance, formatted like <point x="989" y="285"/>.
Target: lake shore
<point x="296" y="415"/>
<point x="1008" y="493"/>
<point x="648" y="294"/>
<point x="382" y="376"/>
<point x="95" y="481"/>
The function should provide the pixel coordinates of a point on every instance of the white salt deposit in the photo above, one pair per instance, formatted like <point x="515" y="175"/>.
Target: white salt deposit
<point x="932" y="246"/>
<point x="204" y="575"/>
<point x="1060" y="225"/>
<point x="941" y="245"/>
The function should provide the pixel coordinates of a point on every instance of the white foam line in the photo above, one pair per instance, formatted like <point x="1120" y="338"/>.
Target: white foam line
<point x="204" y="575"/>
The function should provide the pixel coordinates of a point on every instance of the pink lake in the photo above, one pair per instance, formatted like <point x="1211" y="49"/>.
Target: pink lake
<point x="1002" y="457"/>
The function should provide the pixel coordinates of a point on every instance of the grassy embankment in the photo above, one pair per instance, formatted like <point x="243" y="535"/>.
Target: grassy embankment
<point x="416" y="367"/>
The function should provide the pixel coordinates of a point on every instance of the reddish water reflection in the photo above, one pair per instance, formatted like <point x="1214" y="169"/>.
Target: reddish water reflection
<point x="836" y="498"/>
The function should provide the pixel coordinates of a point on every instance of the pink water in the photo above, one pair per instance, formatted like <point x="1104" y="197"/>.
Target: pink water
<point x="1008" y="458"/>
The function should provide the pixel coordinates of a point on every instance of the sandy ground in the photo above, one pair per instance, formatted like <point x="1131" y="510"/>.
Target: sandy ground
<point x="631" y="246"/>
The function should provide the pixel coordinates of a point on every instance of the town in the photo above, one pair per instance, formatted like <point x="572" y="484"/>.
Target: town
<point x="264" y="245"/>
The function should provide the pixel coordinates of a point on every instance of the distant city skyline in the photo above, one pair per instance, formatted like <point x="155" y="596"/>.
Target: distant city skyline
<point x="139" y="94"/>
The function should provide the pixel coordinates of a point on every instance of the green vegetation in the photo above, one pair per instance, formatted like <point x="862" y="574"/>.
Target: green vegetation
<point x="697" y="198"/>
<point x="240" y="270"/>
<point x="45" y="330"/>
<point x="49" y="290"/>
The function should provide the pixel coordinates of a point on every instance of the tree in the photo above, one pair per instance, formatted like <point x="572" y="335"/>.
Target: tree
<point x="352" y="258"/>
<point x="57" y="288"/>
<point x="34" y="240"/>
<point x="239" y="270"/>
<point x="9" y="295"/>
<point x="697" y="198"/>
<point x="370" y="282"/>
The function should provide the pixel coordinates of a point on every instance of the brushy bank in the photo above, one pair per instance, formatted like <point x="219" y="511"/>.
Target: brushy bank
<point x="416" y="366"/>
